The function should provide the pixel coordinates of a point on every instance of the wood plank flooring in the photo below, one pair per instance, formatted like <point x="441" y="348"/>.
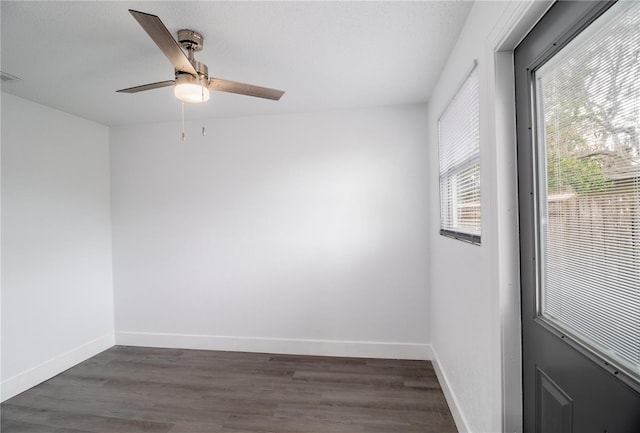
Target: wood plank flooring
<point x="134" y="389"/>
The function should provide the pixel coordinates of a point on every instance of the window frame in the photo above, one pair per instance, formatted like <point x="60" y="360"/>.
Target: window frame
<point x="583" y="343"/>
<point x="472" y="160"/>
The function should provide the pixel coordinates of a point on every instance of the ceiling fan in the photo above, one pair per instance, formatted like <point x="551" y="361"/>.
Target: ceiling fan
<point x="192" y="82"/>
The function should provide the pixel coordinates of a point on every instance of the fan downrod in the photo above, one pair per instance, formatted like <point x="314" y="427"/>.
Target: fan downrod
<point x="192" y="42"/>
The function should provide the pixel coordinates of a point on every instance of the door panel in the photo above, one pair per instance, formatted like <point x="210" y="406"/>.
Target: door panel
<point x="573" y="378"/>
<point x="554" y="407"/>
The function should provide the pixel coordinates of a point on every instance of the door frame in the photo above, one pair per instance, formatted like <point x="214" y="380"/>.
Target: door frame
<point x="519" y="19"/>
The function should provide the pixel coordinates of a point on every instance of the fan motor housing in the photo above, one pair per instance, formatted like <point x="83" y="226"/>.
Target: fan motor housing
<point x="201" y="68"/>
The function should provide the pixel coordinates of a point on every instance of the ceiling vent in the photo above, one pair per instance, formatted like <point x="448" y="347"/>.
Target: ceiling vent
<point x="5" y="78"/>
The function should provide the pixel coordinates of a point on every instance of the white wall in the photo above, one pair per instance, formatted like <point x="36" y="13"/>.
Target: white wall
<point x="475" y="311"/>
<point x="292" y="233"/>
<point x="465" y="316"/>
<point x="57" y="300"/>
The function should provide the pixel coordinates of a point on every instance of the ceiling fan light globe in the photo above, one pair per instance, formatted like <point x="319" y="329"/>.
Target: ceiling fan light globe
<point x="191" y="93"/>
<point x="191" y="89"/>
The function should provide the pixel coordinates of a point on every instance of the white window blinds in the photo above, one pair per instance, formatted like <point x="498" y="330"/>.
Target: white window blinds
<point x="459" y="155"/>
<point x="589" y="128"/>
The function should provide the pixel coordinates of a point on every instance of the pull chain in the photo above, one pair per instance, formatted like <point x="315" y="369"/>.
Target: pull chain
<point x="183" y="136"/>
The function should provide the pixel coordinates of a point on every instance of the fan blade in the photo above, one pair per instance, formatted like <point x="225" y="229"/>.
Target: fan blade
<point x="146" y="87"/>
<point x="163" y="39"/>
<point x="244" y="89"/>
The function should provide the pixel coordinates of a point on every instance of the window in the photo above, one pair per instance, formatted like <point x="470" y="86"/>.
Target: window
<point x="588" y="110"/>
<point x="459" y="153"/>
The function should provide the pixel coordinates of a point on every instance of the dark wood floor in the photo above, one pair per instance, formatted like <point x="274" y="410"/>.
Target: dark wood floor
<point x="133" y="389"/>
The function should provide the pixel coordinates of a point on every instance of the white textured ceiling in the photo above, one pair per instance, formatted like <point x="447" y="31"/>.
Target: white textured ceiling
<point x="326" y="55"/>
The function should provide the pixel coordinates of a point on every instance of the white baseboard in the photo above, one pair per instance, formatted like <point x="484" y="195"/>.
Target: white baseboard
<point x="452" y="401"/>
<point x="361" y="349"/>
<point x="52" y="367"/>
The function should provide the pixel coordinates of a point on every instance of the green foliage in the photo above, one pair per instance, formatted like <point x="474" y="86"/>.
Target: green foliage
<point x="567" y="173"/>
<point x="588" y="102"/>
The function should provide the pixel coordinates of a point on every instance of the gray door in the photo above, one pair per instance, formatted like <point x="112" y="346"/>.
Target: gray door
<point x="578" y="133"/>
